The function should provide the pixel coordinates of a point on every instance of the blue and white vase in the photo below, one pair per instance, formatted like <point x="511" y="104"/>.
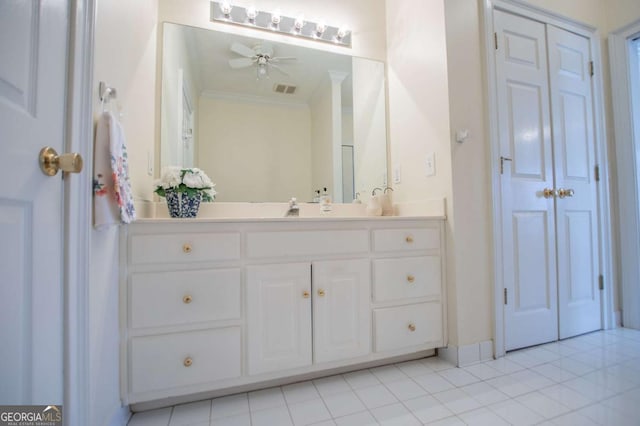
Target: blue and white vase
<point x="181" y="204"/>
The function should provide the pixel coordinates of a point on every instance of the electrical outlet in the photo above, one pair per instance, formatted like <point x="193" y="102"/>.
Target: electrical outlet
<point x="430" y="164"/>
<point x="397" y="174"/>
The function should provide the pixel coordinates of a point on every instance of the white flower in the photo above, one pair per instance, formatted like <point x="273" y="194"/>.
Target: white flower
<point x="171" y="177"/>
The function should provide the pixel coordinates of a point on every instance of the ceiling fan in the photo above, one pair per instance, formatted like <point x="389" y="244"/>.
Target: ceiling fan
<point x="261" y="55"/>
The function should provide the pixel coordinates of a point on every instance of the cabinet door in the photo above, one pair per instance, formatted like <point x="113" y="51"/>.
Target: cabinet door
<point x="341" y="310"/>
<point x="278" y="317"/>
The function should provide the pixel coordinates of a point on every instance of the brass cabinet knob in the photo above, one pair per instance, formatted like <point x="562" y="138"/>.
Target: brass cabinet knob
<point x="51" y="162"/>
<point x="409" y="239"/>
<point x="188" y="362"/>
<point x="410" y="279"/>
<point x="187" y="299"/>
<point x="321" y="293"/>
<point x="306" y="294"/>
<point x="412" y="327"/>
<point x="186" y="248"/>
<point x="549" y="193"/>
<point x="564" y="193"/>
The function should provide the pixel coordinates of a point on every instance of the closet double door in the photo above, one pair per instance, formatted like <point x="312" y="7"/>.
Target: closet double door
<point x="548" y="182"/>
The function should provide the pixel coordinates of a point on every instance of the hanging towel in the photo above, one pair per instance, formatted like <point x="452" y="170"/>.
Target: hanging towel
<point x="113" y="199"/>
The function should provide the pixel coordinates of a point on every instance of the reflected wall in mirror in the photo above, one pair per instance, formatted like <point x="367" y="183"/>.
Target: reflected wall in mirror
<point x="269" y="121"/>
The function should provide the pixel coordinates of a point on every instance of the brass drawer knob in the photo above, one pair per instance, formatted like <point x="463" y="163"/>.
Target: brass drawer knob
<point x="410" y="279"/>
<point x="321" y="293"/>
<point x="187" y="299"/>
<point x="186" y="248"/>
<point x="306" y="294"/>
<point x="188" y="362"/>
<point x="409" y="239"/>
<point x="412" y="327"/>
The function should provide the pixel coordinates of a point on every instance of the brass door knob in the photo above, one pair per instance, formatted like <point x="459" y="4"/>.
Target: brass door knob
<point x="188" y="362"/>
<point x="410" y="279"/>
<point x="409" y="239"/>
<point x="51" y="162"/>
<point x="412" y="327"/>
<point x="549" y="193"/>
<point x="186" y="248"/>
<point x="564" y="193"/>
<point x="306" y="294"/>
<point x="321" y="293"/>
<point x="187" y="299"/>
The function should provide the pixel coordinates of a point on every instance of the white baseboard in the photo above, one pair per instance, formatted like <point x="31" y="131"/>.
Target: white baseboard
<point x="120" y="417"/>
<point x="462" y="356"/>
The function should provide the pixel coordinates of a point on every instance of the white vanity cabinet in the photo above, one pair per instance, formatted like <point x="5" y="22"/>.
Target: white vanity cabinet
<point x="211" y="307"/>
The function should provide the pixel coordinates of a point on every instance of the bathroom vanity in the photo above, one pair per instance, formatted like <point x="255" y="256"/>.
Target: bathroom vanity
<point x="213" y="306"/>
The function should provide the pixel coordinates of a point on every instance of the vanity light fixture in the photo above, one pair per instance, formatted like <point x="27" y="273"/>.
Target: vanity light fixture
<point x="276" y="22"/>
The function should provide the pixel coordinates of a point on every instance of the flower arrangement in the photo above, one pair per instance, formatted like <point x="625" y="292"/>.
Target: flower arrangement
<point x="189" y="181"/>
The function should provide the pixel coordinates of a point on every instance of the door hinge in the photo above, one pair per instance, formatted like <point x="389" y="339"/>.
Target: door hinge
<point x="495" y="40"/>
<point x="597" y="173"/>
<point x="591" y="69"/>
<point x="505" y="296"/>
<point x="601" y="282"/>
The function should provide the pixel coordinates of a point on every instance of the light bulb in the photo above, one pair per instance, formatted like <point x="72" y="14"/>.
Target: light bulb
<point x="275" y="18"/>
<point x="252" y="14"/>
<point x="343" y="31"/>
<point x="225" y="7"/>
<point x="262" y="71"/>
<point x="320" y="28"/>
<point x="298" y="23"/>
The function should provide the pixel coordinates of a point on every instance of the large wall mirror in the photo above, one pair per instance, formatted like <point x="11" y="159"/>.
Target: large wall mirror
<point x="269" y="121"/>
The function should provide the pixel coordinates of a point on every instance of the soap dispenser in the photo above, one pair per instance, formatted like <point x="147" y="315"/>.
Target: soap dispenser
<point x="325" y="202"/>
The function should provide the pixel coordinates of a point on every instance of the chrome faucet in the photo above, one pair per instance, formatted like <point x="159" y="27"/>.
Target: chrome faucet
<point x="294" y="208"/>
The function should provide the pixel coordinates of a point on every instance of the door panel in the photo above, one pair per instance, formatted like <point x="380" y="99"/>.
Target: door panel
<point x="574" y="151"/>
<point x="278" y="317"/>
<point x="341" y="309"/>
<point x="529" y="262"/>
<point x="33" y="58"/>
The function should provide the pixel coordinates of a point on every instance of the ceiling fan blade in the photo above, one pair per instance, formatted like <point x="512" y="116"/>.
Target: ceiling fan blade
<point x="279" y="68"/>
<point x="240" y="62"/>
<point x="242" y="50"/>
<point x="283" y="58"/>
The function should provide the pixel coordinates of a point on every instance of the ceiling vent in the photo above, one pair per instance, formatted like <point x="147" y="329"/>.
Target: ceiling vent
<point x="284" y="89"/>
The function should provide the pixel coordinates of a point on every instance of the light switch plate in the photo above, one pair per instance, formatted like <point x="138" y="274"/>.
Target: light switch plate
<point x="430" y="164"/>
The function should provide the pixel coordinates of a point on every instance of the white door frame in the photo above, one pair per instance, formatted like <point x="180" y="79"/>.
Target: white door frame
<point x="78" y="192"/>
<point x="625" y="137"/>
<point x="521" y="8"/>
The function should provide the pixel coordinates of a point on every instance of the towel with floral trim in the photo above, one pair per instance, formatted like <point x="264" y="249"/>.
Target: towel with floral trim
<point x="112" y="195"/>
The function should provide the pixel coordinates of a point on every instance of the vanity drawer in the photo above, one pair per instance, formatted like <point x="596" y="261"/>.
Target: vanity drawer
<point x="406" y="326"/>
<point x="406" y="239"/>
<point x="181" y="359"/>
<point x="174" y="298"/>
<point x="405" y="278"/>
<point x="184" y="248"/>
<point x="305" y="243"/>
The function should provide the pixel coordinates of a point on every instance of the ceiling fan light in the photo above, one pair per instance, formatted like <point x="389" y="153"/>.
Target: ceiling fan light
<point x="262" y="71"/>
<point x="226" y="8"/>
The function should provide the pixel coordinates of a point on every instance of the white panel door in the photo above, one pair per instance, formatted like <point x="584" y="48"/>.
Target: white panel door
<point x="278" y="317"/>
<point x="341" y="309"/>
<point x="528" y="244"/>
<point x="33" y="57"/>
<point x="576" y="207"/>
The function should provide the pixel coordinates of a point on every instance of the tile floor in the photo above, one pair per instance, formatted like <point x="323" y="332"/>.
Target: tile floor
<point x="588" y="380"/>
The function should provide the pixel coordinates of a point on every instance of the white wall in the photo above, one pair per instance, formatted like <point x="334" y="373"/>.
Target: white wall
<point x="124" y="57"/>
<point x="255" y="151"/>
